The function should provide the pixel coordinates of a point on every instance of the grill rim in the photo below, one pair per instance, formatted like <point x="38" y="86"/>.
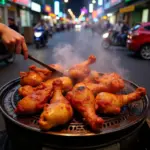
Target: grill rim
<point x="142" y="117"/>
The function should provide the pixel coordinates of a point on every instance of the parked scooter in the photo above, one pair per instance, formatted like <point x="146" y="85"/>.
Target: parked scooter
<point x="5" y="55"/>
<point x="110" y="40"/>
<point x="40" y="37"/>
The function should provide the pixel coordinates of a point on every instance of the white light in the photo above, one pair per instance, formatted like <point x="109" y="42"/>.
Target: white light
<point x="90" y="8"/>
<point x="57" y="18"/>
<point x="95" y="19"/>
<point x="93" y="1"/>
<point x="38" y="34"/>
<point x="66" y="1"/>
<point x="77" y="26"/>
<point x="35" y="7"/>
<point x="100" y="2"/>
<point x="109" y="14"/>
<point x="105" y="35"/>
<point x="57" y="7"/>
<point x="69" y="10"/>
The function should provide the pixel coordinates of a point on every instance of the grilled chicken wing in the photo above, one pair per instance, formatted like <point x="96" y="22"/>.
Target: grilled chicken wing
<point x="92" y="78"/>
<point x="82" y="99"/>
<point x="58" y="112"/>
<point x="44" y="73"/>
<point x="111" y="103"/>
<point x="30" y="78"/>
<point x="34" y="102"/>
<point x="112" y="83"/>
<point x="66" y="83"/>
<point x="35" y="76"/>
<point x="27" y="89"/>
<point x="81" y="70"/>
<point x="57" y="67"/>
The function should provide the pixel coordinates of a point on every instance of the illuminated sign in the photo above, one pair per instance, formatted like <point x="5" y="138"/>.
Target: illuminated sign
<point x="2" y="2"/>
<point x="60" y="14"/>
<point x="108" y="4"/>
<point x="84" y="10"/>
<point x="35" y="7"/>
<point x="56" y="7"/>
<point x="91" y="7"/>
<point x="47" y="8"/>
<point x="127" y="9"/>
<point x="23" y="2"/>
<point x="94" y="14"/>
<point x="100" y="2"/>
<point x="100" y="11"/>
<point x="113" y="2"/>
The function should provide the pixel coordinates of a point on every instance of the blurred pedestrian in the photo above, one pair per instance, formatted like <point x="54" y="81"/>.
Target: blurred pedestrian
<point x="117" y="30"/>
<point x="12" y="24"/>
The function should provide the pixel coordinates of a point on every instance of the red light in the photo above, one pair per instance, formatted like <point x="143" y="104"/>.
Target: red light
<point x="94" y="14"/>
<point x="26" y="2"/>
<point x="114" y="1"/>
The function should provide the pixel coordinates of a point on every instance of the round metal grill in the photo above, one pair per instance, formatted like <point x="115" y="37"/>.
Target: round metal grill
<point x="130" y="114"/>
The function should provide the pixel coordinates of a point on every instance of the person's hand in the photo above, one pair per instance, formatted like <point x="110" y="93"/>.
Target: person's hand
<point x="14" y="41"/>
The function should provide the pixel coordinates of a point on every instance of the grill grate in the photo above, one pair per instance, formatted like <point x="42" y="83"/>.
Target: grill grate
<point x="130" y="114"/>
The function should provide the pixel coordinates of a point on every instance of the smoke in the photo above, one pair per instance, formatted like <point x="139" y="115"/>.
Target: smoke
<point x="84" y="44"/>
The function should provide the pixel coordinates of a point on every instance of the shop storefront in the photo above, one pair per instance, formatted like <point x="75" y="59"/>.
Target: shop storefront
<point x="128" y="13"/>
<point x="3" y="11"/>
<point x="136" y="12"/>
<point x="1" y="14"/>
<point x="36" y="13"/>
<point x="111" y="8"/>
<point x="12" y="12"/>
<point x="25" y="18"/>
<point x="23" y="11"/>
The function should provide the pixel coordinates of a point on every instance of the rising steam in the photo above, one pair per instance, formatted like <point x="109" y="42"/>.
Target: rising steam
<point x="85" y="44"/>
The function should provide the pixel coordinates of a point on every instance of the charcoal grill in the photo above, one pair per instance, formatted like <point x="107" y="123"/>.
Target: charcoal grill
<point x="25" y="134"/>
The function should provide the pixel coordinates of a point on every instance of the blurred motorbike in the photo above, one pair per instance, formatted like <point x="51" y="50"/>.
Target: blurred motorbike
<point x="40" y="37"/>
<point x="108" y="39"/>
<point x="5" y="55"/>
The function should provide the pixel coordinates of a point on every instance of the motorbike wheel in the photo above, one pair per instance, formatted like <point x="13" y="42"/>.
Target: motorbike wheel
<point x="105" y="44"/>
<point x="37" y="45"/>
<point x="11" y="59"/>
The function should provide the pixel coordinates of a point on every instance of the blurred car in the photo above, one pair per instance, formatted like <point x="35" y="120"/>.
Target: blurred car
<point x="139" y="40"/>
<point x="78" y="27"/>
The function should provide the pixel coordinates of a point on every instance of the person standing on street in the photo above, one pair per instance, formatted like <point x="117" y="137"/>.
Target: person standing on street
<point x="12" y="24"/>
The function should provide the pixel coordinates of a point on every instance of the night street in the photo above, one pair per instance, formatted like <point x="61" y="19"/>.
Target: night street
<point x="72" y="47"/>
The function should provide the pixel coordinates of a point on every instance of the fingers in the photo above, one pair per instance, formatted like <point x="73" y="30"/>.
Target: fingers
<point x="10" y="45"/>
<point x="18" y="47"/>
<point x="25" y="49"/>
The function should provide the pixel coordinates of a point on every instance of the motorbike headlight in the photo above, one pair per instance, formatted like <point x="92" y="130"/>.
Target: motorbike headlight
<point x="38" y="34"/>
<point x="105" y="35"/>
